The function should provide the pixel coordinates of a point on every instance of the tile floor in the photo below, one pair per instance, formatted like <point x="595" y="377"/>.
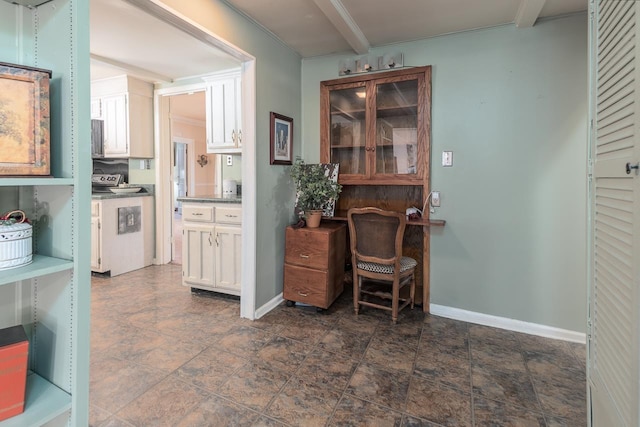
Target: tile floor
<point x="161" y="356"/>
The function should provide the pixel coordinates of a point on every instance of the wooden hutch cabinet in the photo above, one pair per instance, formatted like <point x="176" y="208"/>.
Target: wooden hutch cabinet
<point x="377" y="127"/>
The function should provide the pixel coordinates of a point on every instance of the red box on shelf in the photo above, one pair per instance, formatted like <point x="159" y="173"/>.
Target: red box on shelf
<point x="14" y="351"/>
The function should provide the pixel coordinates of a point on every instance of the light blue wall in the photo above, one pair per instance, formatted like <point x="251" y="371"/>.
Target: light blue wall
<point x="278" y="88"/>
<point x="512" y="106"/>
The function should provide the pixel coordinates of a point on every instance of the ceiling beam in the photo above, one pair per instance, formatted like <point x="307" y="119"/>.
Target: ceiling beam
<point x="528" y="13"/>
<point x="335" y="11"/>
<point x="131" y="69"/>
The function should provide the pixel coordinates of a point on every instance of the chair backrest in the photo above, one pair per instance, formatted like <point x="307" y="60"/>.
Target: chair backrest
<point x="376" y="235"/>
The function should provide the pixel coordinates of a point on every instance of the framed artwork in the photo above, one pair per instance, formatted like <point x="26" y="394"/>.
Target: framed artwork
<point x="281" y="139"/>
<point x="24" y="120"/>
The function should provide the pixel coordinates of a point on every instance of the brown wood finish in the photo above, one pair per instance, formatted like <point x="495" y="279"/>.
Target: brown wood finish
<point x="314" y="264"/>
<point x="388" y="191"/>
<point x="370" y="81"/>
<point x="377" y="237"/>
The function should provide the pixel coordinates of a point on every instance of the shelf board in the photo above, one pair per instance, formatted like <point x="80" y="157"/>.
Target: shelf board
<point x="27" y="181"/>
<point x="44" y="401"/>
<point x="40" y="266"/>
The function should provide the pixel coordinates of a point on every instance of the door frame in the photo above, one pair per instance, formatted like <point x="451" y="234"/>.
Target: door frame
<point x="162" y="135"/>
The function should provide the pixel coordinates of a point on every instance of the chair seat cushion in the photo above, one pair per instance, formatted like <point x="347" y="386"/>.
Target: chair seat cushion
<point x="406" y="263"/>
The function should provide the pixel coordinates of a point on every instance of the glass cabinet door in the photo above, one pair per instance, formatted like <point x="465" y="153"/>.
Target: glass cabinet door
<point x="396" y="140"/>
<point x="348" y="129"/>
<point x="376" y="127"/>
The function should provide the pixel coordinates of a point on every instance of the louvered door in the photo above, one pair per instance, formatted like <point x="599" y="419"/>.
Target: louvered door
<point x="613" y="367"/>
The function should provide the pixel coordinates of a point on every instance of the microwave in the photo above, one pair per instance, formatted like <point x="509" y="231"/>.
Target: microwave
<point x="97" y="138"/>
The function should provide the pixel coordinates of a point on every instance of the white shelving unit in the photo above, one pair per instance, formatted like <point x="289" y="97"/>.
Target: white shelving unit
<point x="51" y="296"/>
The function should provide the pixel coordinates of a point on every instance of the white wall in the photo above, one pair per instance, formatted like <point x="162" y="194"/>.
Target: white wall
<point x="512" y="106"/>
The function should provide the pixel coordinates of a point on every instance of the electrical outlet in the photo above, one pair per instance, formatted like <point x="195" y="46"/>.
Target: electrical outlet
<point x="229" y="160"/>
<point x="435" y="199"/>
<point x="447" y="158"/>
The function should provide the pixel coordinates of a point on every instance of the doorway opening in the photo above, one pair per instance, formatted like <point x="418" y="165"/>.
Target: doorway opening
<point x="183" y="183"/>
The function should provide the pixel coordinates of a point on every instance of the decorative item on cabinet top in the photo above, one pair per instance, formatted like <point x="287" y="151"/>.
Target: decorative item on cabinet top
<point x="24" y="120"/>
<point x="15" y="240"/>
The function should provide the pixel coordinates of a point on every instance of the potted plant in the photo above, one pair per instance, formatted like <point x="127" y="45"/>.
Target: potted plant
<point x="314" y="190"/>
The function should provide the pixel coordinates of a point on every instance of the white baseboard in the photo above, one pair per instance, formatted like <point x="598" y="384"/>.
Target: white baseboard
<point x="509" y="324"/>
<point x="270" y="305"/>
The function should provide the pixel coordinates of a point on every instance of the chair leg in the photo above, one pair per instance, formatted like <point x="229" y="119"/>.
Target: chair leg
<point x="412" y="292"/>
<point x="395" y="295"/>
<point x="357" y="281"/>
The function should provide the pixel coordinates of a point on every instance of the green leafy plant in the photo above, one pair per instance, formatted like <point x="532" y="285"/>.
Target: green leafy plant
<point x="314" y="188"/>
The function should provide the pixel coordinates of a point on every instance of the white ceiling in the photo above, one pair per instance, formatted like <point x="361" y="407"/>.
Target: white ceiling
<point x="320" y="27"/>
<point x="126" y="40"/>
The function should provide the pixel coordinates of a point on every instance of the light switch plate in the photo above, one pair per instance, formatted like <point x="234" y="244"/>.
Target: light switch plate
<point x="447" y="158"/>
<point x="229" y="160"/>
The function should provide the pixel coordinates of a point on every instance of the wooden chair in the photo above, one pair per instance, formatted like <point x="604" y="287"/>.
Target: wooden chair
<point x="376" y="250"/>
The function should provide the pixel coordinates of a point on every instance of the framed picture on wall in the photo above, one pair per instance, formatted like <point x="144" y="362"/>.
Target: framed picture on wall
<point x="281" y="139"/>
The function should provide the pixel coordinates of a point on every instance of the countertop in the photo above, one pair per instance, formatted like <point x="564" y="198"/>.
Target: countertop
<point x="105" y="196"/>
<point x="211" y="199"/>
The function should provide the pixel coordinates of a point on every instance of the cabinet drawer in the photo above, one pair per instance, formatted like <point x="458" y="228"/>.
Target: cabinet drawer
<point x="306" y="285"/>
<point x="307" y="249"/>
<point x="228" y="215"/>
<point x="197" y="213"/>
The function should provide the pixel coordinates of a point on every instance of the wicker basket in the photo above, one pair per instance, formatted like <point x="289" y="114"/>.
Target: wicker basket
<point x="15" y="241"/>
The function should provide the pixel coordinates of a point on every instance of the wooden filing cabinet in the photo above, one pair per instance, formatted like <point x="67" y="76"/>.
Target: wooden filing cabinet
<point x="314" y="264"/>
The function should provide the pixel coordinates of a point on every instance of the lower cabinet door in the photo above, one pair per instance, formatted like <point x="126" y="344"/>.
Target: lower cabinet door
<point x="305" y="285"/>
<point x="96" y="261"/>
<point x="198" y="256"/>
<point x="228" y="258"/>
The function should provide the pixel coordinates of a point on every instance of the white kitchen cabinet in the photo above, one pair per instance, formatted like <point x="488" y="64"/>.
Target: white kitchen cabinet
<point x="197" y="254"/>
<point x="224" y="113"/>
<point x="116" y="140"/>
<point x="211" y="246"/>
<point x="126" y="106"/>
<point x="96" y="256"/>
<point x="96" y="108"/>
<point x="117" y="248"/>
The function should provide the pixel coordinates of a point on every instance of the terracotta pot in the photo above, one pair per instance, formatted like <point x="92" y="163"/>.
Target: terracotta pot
<point x="313" y="219"/>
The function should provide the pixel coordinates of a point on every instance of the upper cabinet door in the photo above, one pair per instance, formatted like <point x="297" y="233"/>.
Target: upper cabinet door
<point x="347" y="129"/>
<point x="116" y="133"/>
<point x="376" y="127"/>
<point x="224" y="133"/>
<point x="397" y="153"/>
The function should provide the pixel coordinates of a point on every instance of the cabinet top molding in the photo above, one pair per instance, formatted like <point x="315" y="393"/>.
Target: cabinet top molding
<point x="374" y="75"/>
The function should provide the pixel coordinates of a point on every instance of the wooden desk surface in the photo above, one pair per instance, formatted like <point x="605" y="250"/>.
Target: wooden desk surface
<point x="341" y="215"/>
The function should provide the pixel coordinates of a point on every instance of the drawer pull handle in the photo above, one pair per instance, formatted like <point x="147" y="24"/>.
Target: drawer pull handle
<point x="304" y="256"/>
<point x="302" y="295"/>
<point x="231" y="216"/>
<point x="197" y="214"/>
